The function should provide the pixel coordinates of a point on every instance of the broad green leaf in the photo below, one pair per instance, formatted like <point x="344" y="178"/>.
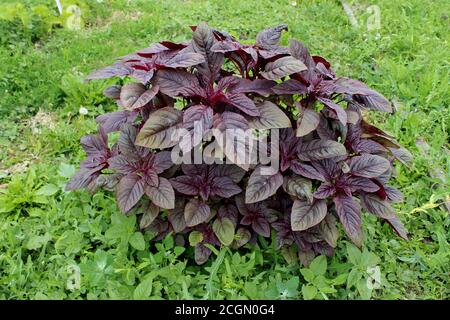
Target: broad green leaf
<point x="144" y="289"/>
<point x="364" y="289"/>
<point x="309" y="292"/>
<point x="353" y="277"/>
<point x="47" y="190"/>
<point x="66" y="170"/>
<point x="36" y="242"/>
<point x="307" y="274"/>
<point x="340" y="279"/>
<point x="137" y="241"/>
<point x="353" y="254"/>
<point x="195" y="237"/>
<point x="224" y="230"/>
<point x="319" y="265"/>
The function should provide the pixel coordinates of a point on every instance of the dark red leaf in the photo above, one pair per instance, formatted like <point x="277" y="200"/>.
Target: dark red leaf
<point x="349" y="214"/>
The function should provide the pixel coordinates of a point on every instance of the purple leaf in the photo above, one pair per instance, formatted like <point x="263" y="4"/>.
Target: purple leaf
<point x="398" y="227"/>
<point x="111" y="122"/>
<point x="202" y="42"/>
<point x="187" y="185"/>
<point x="368" y="166"/>
<point x="320" y="149"/>
<point x="231" y="171"/>
<point x="305" y="215"/>
<point x="236" y="144"/>
<point x="402" y="155"/>
<point x="198" y="113"/>
<point x="197" y="120"/>
<point x="228" y="211"/>
<point x="327" y="168"/>
<point x="135" y="95"/>
<point x="129" y="191"/>
<point x="162" y="161"/>
<point x="126" y="143"/>
<point x="113" y="92"/>
<point x="290" y="86"/>
<point x="83" y="178"/>
<point x="201" y="254"/>
<point x="307" y="171"/>
<point x="377" y="206"/>
<point x="95" y="144"/>
<point x="230" y="120"/>
<point x="243" y="103"/>
<point x="329" y="231"/>
<point x="364" y="184"/>
<point x="368" y="146"/>
<point x="261" y="227"/>
<point x="299" y="51"/>
<point x="122" y="164"/>
<point x="224" y="187"/>
<point x="393" y="194"/>
<point x="324" y="191"/>
<point x="176" y="217"/>
<point x="159" y="131"/>
<point x="150" y="212"/>
<point x="152" y="49"/>
<point x="271" y="36"/>
<point x="118" y="69"/>
<point x="340" y="112"/>
<point x="196" y="212"/>
<point x="185" y="59"/>
<point x="162" y="195"/>
<point x="271" y="117"/>
<point x="261" y="186"/>
<point x="307" y="122"/>
<point x="282" y="67"/>
<point x="298" y="187"/>
<point x="349" y="214"/>
<point x="178" y="83"/>
<point x="259" y="86"/>
<point x="363" y="95"/>
<point x="195" y="169"/>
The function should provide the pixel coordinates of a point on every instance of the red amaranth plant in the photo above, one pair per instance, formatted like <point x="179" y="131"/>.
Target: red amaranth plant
<point x="332" y="162"/>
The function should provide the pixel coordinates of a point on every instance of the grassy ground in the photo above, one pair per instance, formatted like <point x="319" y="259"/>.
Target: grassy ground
<point x="46" y="234"/>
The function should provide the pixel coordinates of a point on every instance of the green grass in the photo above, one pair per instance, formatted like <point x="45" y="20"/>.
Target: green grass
<point x="47" y="232"/>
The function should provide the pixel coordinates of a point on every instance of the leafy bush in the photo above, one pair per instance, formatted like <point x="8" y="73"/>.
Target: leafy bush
<point x="332" y="161"/>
